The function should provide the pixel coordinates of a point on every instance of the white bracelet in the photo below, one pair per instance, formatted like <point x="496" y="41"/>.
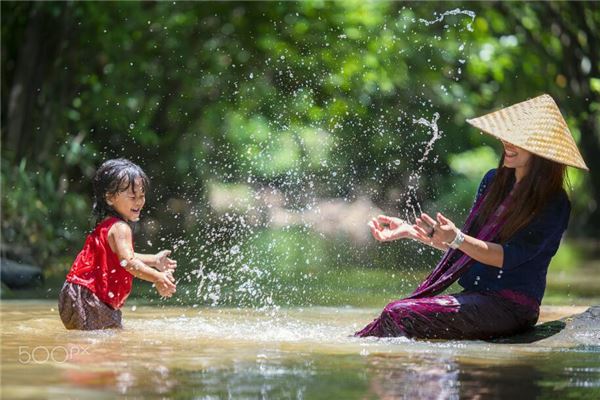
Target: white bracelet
<point x="458" y="240"/>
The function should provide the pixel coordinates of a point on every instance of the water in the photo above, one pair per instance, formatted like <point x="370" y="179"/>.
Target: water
<point x="281" y="166"/>
<point x="297" y="353"/>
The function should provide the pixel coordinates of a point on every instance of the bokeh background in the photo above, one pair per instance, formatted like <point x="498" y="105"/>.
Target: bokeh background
<point x="273" y="131"/>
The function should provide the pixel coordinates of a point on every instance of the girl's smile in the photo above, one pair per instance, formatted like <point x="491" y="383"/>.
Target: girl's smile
<point x="129" y="203"/>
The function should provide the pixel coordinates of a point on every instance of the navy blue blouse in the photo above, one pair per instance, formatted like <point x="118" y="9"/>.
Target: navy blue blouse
<point x="526" y="255"/>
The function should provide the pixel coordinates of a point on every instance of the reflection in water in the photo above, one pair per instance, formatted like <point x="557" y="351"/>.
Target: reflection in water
<point x="446" y="378"/>
<point x="301" y="353"/>
<point x="417" y="378"/>
<point x="500" y="382"/>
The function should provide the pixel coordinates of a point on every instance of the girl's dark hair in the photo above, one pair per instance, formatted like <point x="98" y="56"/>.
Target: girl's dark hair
<point x="544" y="180"/>
<point x="115" y="176"/>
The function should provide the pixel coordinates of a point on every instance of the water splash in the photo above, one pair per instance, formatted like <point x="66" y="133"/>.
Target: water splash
<point x="311" y="196"/>
<point x="412" y="207"/>
<point x="436" y="135"/>
<point x="456" y="11"/>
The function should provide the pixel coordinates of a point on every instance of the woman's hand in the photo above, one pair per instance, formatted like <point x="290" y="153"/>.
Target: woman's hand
<point x="163" y="262"/>
<point x="435" y="233"/>
<point x="387" y="229"/>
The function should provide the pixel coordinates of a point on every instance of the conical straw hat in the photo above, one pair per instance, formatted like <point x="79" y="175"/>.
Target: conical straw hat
<point x="535" y="125"/>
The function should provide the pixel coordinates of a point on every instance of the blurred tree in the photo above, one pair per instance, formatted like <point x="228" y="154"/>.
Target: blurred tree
<point x="316" y="99"/>
<point x="530" y="48"/>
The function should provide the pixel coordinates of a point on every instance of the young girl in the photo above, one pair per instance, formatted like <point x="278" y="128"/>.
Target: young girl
<point x="100" y="279"/>
<point x="502" y="253"/>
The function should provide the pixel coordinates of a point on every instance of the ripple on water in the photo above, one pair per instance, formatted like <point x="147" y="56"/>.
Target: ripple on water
<point x="242" y="353"/>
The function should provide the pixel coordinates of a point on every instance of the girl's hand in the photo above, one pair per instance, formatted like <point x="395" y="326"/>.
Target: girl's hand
<point x="163" y="262"/>
<point x="435" y="233"/>
<point x="169" y="275"/>
<point x="165" y="285"/>
<point x="387" y="229"/>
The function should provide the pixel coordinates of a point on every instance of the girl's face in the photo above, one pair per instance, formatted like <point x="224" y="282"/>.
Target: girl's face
<point x="516" y="157"/>
<point x="129" y="203"/>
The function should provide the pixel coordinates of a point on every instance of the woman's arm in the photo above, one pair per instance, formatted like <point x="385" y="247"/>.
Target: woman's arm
<point x="444" y="233"/>
<point x="488" y="253"/>
<point x="387" y="229"/>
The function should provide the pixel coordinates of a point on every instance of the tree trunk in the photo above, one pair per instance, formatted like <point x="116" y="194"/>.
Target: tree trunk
<point x="27" y="107"/>
<point x="27" y="78"/>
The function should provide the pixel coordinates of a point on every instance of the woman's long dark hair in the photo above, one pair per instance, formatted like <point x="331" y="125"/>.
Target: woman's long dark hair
<point x="544" y="180"/>
<point x="115" y="176"/>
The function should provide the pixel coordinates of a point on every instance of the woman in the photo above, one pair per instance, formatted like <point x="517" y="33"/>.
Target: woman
<point x="503" y="251"/>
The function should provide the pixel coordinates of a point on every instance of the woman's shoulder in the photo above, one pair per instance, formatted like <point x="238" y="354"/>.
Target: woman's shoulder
<point x="556" y="209"/>
<point x="560" y="200"/>
<point x="489" y="175"/>
<point x="487" y="179"/>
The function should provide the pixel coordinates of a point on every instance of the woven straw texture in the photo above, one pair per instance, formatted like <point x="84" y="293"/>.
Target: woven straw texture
<point x="535" y="125"/>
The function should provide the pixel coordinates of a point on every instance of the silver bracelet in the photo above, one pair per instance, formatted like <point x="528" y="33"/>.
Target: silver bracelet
<point x="458" y="240"/>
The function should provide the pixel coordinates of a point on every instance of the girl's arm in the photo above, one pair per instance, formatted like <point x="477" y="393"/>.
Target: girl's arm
<point x="148" y="259"/>
<point x="120" y="239"/>
<point x="488" y="253"/>
<point x="160" y="260"/>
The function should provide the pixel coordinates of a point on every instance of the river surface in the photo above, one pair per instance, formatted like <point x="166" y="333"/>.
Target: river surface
<point x="299" y="353"/>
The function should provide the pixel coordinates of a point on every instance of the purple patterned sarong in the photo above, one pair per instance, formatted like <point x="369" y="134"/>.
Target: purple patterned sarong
<point x="467" y="315"/>
<point x="79" y="308"/>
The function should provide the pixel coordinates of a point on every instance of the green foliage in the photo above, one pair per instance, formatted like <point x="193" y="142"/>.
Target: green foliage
<point x="37" y="214"/>
<point x="309" y="97"/>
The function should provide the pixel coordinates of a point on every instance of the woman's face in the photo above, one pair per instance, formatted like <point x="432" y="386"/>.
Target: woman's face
<point x="516" y="157"/>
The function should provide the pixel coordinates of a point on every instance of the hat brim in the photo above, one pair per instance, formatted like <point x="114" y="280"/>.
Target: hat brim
<point x="530" y="149"/>
<point x="535" y="125"/>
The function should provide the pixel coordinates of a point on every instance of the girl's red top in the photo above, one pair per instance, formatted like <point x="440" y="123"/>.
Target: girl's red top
<point x="97" y="268"/>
